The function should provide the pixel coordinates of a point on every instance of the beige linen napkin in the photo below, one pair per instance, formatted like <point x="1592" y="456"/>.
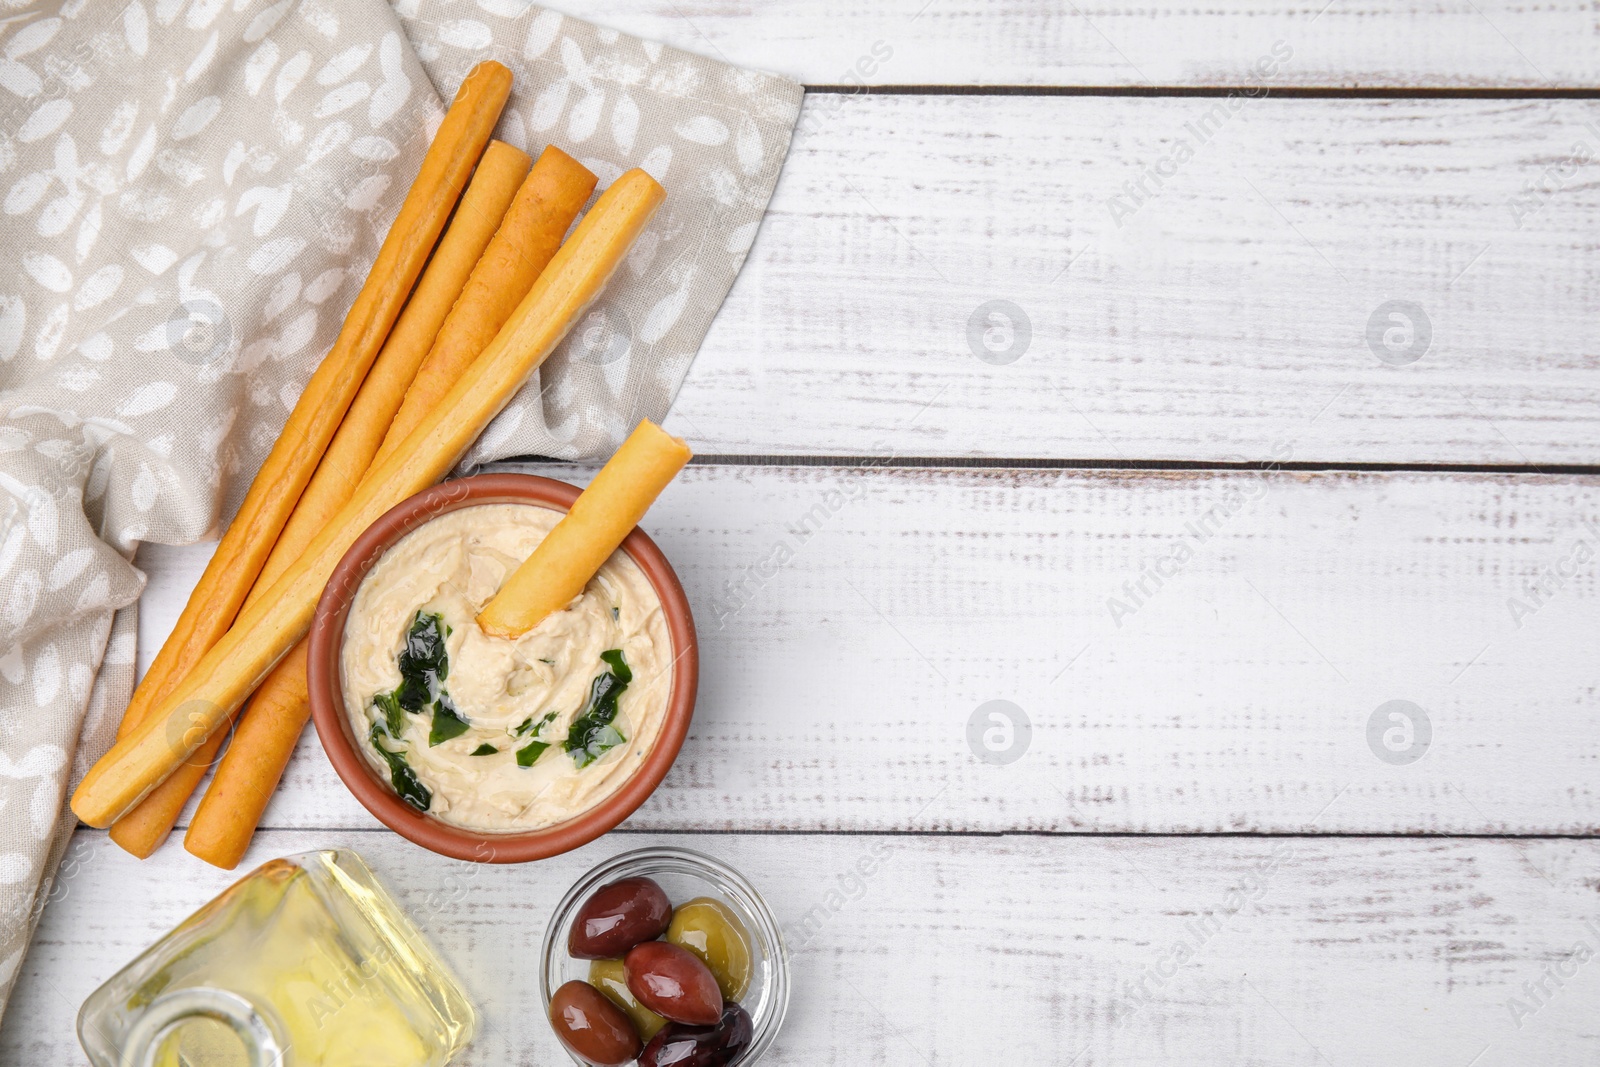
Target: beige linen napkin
<point x="191" y="192"/>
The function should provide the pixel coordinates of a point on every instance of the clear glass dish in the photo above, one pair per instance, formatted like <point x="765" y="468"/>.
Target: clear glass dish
<point x="684" y="874"/>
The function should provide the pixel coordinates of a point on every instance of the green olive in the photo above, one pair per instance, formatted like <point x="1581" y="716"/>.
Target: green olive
<point x="607" y="976"/>
<point x="711" y="930"/>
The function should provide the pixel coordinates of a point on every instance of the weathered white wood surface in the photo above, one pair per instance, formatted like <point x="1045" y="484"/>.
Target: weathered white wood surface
<point x="1165" y="42"/>
<point x="963" y="950"/>
<point x="1226" y="318"/>
<point x="836" y="691"/>
<point x="1227" y="313"/>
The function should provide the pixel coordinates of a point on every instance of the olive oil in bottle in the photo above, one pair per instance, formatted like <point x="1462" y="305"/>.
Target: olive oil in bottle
<point x="305" y="962"/>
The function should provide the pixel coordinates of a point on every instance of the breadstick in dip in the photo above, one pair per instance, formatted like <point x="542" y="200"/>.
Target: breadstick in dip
<point x="601" y="517"/>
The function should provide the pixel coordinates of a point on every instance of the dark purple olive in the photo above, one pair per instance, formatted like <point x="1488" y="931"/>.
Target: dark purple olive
<point x="673" y="983"/>
<point x="617" y="917"/>
<point x="591" y="1026"/>
<point x="721" y="1045"/>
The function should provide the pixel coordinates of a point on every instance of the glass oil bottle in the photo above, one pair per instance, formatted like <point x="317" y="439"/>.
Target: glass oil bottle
<point x="305" y="962"/>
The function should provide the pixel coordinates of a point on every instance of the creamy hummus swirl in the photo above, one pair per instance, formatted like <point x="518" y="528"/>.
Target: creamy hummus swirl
<point x="452" y="566"/>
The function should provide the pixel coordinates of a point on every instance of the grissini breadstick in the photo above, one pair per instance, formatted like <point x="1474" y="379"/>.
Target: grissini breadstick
<point x="550" y="198"/>
<point x="245" y="780"/>
<point x="268" y="629"/>
<point x="483" y="207"/>
<point x="269" y="727"/>
<point x="311" y="425"/>
<point x="591" y="530"/>
<point x="493" y="184"/>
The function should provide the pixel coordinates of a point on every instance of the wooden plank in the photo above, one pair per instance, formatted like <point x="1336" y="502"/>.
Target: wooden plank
<point x="1166" y="42"/>
<point x="855" y="621"/>
<point x="955" y="950"/>
<point x="1224" y="317"/>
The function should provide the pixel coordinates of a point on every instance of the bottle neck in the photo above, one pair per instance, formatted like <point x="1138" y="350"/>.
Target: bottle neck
<point x="249" y="1037"/>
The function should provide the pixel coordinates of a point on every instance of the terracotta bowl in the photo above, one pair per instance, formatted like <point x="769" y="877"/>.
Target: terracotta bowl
<point x="343" y="747"/>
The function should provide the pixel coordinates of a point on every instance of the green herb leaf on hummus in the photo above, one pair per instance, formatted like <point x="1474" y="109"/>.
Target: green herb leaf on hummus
<point x="394" y="716"/>
<point x="593" y="733"/>
<point x="424" y="664"/>
<point x="485" y="749"/>
<point x="535" y="748"/>
<point x="401" y="776"/>
<point x="535" y="728"/>
<point x="447" y="721"/>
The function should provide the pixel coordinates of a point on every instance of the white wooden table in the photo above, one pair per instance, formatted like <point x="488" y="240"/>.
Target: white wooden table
<point x="1079" y="523"/>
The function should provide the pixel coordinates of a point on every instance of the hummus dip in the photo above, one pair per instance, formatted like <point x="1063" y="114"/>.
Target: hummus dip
<point x="488" y="739"/>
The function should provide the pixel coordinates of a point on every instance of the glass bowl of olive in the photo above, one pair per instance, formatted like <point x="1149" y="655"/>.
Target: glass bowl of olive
<point x="664" y="957"/>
